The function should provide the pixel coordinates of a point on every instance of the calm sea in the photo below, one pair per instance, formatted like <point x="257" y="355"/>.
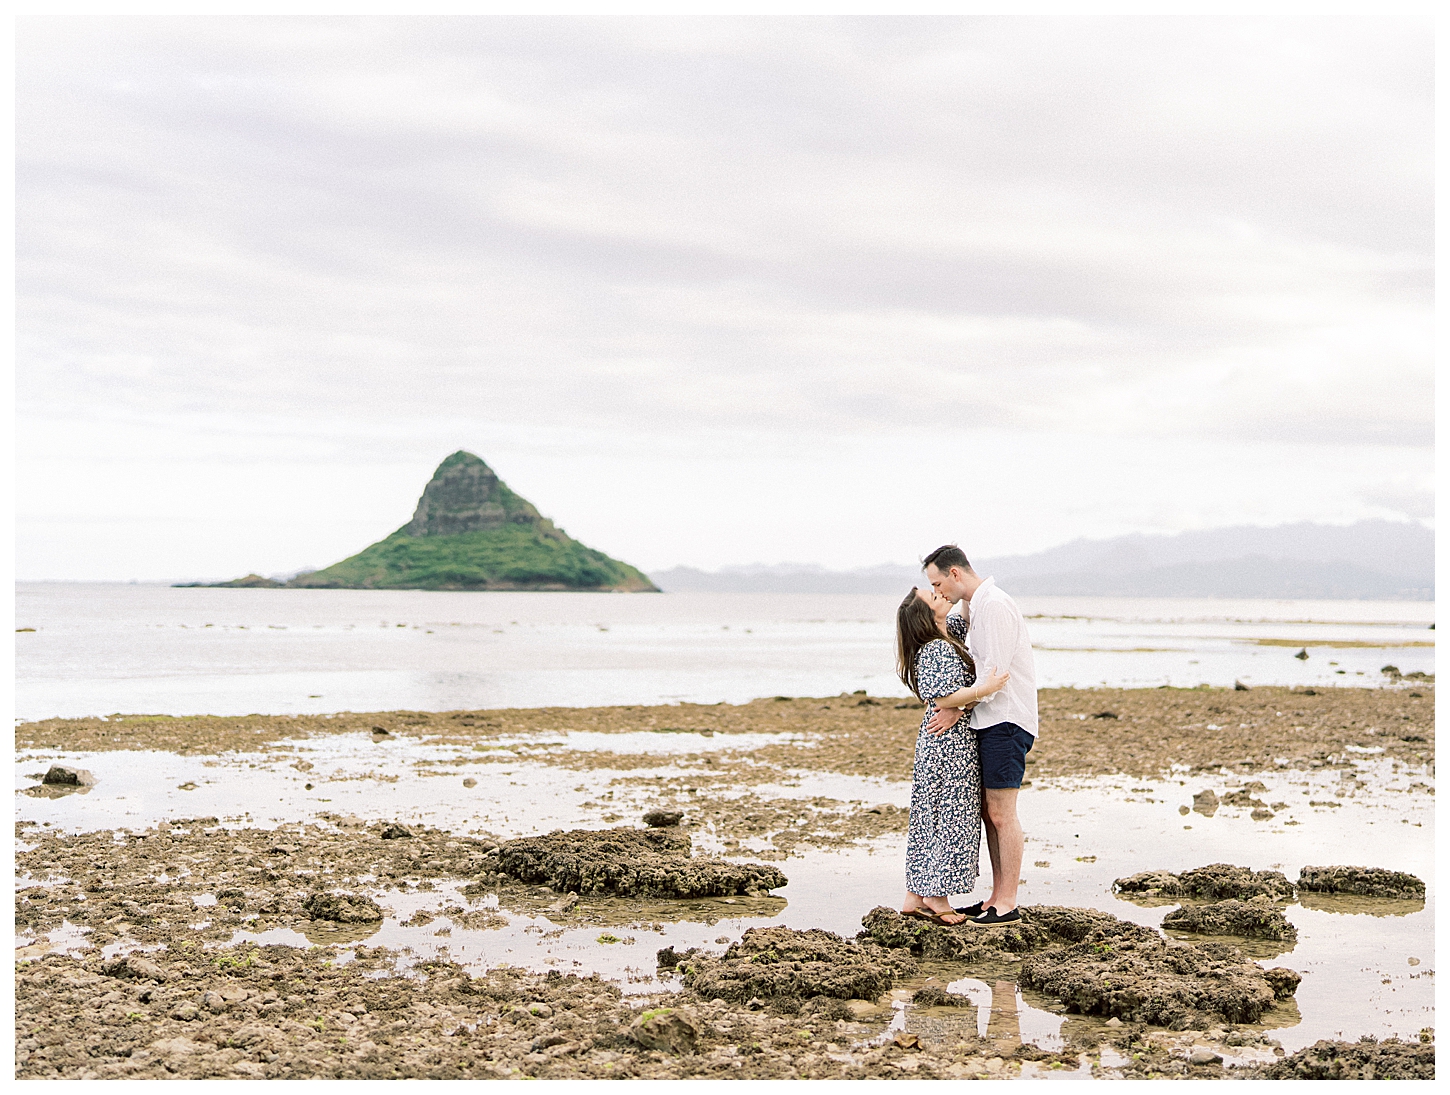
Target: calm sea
<point x="104" y="648"/>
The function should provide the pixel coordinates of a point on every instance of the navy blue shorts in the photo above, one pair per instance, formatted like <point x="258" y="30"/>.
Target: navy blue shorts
<point x="1004" y="750"/>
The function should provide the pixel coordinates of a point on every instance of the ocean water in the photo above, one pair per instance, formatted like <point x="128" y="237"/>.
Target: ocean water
<point x="106" y="648"/>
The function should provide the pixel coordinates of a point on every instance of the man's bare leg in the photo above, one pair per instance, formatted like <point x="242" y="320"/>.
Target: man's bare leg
<point x="995" y="855"/>
<point x="1001" y="809"/>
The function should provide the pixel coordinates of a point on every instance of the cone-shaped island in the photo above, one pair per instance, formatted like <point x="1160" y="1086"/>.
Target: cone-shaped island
<point x="470" y="532"/>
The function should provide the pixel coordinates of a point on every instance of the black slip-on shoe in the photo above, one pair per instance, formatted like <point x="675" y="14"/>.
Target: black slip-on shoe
<point x="972" y="910"/>
<point x="992" y="916"/>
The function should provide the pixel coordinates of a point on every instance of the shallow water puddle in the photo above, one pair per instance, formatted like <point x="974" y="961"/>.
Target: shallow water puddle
<point x="663" y="742"/>
<point x="398" y="778"/>
<point x="1002" y="1014"/>
<point x="344" y="776"/>
<point x="1368" y="965"/>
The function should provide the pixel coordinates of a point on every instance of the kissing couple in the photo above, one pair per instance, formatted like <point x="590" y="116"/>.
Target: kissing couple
<point x="973" y="670"/>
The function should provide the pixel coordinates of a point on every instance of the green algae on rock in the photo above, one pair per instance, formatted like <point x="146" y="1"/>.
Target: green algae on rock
<point x="471" y="532"/>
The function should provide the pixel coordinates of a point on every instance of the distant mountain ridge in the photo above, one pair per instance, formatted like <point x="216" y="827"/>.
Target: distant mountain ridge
<point x="1370" y="560"/>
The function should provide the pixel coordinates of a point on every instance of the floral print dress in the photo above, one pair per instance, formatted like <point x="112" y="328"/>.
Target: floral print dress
<point x="944" y="839"/>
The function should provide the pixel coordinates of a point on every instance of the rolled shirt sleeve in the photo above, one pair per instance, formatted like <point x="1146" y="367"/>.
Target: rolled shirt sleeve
<point x="994" y="641"/>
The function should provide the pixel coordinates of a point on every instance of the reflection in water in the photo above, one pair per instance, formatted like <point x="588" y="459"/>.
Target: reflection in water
<point x="1004" y="1027"/>
<point x="323" y="932"/>
<point x="1257" y="949"/>
<point x="66" y="939"/>
<point x="1352" y="904"/>
<point x="56" y="790"/>
<point x="1005" y="1019"/>
<point x="284" y="937"/>
<point x="1149" y="900"/>
<point x="1347" y="903"/>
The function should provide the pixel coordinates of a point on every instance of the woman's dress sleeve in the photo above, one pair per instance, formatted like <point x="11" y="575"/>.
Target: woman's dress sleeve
<point x="939" y="671"/>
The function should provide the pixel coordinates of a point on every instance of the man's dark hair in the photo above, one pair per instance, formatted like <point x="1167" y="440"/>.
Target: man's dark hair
<point x="946" y="557"/>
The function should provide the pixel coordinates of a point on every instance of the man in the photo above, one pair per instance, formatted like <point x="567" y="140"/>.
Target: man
<point x="1005" y="724"/>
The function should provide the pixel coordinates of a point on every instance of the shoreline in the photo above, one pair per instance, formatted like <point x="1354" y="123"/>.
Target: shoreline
<point x="1140" y="732"/>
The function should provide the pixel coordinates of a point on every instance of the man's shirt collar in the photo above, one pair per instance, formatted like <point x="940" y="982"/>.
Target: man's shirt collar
<point x="986" y="584"/>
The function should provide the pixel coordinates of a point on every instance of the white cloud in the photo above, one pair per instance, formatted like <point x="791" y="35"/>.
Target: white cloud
<point x="360" y="243"/>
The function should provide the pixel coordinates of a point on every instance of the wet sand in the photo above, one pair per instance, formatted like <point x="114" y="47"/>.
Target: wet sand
<point x="248" y="979"/>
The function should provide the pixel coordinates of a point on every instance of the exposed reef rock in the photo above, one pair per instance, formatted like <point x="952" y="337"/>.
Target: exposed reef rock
<point x="1097" y="964"/>
<point x="1041" y="926"/>
<point x="1256" y="919"/>
<point x="59" y="775"/>
<point x="106" y="882"/>
<point x="1225" y="882"/>
<point x="342" y="908"/>
<point x="1367" y="881"/>
<point x="630" y="863"/>
<point x="1366" y="1059"/>
<point x="667" y="1030"/>
<point x="1158" y="982"/>
<point x="790" y="967"/>
<point x="292" y="1013"/>
<point x="1216" y="882"/>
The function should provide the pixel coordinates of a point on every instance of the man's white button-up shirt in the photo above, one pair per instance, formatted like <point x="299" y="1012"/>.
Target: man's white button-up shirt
<point x="997" y="638"/>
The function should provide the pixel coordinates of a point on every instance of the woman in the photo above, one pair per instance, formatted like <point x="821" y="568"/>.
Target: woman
<point x="943" y="841"/>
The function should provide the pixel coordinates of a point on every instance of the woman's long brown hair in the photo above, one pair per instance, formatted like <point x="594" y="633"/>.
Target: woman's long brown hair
<point x="915" y="627"/>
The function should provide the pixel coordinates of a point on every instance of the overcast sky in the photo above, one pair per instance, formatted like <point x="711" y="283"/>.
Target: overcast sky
<point x="713" y="292"/>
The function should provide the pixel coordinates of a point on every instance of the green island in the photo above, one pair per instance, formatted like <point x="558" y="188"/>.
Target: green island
<point x="470" y="532"/>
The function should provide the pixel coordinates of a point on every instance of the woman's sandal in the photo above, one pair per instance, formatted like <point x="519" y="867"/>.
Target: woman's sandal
<point x="922" y="912"/>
